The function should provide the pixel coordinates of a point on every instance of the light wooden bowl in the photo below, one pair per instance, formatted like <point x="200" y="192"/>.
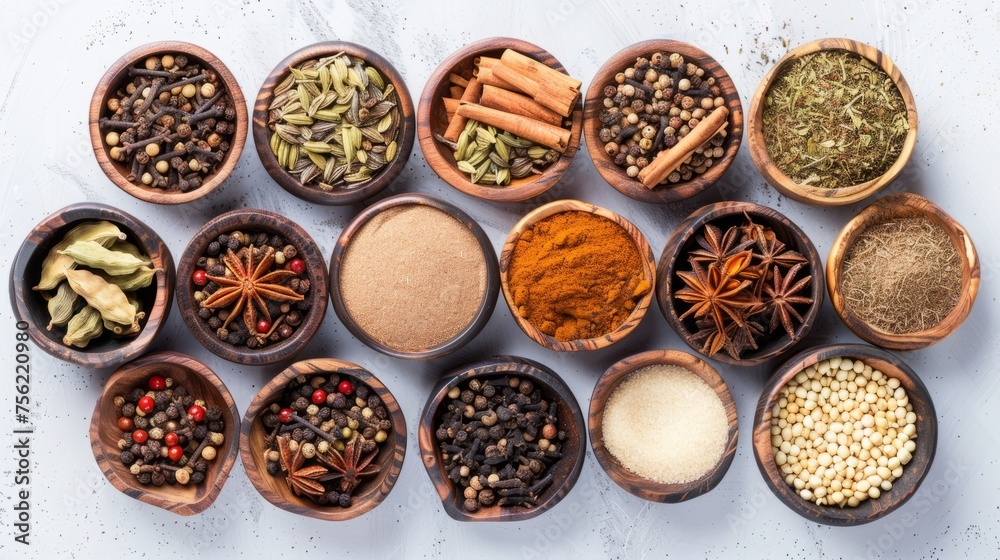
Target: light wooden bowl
<point x="648" y="271"/>
<point x="565" y="472"/>
<point x="817" y="195"/>
<point x="485" y="308"/>
<point x="346" y="195"/>
<point x="268" y="222"/>
<point x="903" y="205"/>
<point x="615" y="175"/>
<point x="202" y="383"/>
<point x="729" y="213"/>
<point x="30" y="306"/>
<point x="370" y="493"/>
<point x="631" y="482"/>
<point x="117" y="75"/>
<point x="431" y="118"/>
<point x="914" y="473"/>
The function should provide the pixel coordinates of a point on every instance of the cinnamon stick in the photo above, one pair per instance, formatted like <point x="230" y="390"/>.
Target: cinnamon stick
<point x="486" y="61"/>
<point x="510" y="102"/>
<point x="458" y="80"/>
<point x="471" y="94"/>
<point x="667" y="161"/>
<point x="554" y="137"/>
<point x="451" y="105"/>
<point x="486" y="77"/>
<point x="456" y="92"/>
<point x="538" y="71"/>
<point x="553" y="95"/>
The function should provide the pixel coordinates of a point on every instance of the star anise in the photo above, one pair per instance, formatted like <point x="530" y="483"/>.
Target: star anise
<point x="301" y="480"/>
<point x="716" y="292"/>
<point x="250" y="287"/>
<point x="350" y="466"/>
<point x="716" y="247"/>
<point x="781" y="298"/>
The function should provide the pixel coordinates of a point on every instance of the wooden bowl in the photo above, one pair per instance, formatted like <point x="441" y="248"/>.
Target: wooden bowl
<point x="255" y="220"/>
<point x="648" y="271"/>
<point x="631" y="482"/>
<point x="431" y="118"/>
<point x="913" y="473"/>
<point x="730" y="213"/>
<point x="118" y="75"/>
<point x="202" y="383"/>
<point x="370" y="493"/>
<point x="339" y="196"/>
<point x="32" y="313"/>
<point x="565" y="472"/>
<point x="614" y="175"/>
<point x="817" y="195"/>
<point x="903" y="205"/>
<point x="492" y="277"/>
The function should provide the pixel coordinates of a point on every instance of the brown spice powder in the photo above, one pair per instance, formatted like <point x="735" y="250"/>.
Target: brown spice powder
<point x="413" y="277"/>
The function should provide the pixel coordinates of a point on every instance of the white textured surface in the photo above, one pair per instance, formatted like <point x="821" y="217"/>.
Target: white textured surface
<point x="52" y="53"/>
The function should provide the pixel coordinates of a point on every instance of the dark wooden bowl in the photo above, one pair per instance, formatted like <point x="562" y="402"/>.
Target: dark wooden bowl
<point x="264" y="221"/>
<point x="903" y="205"/>
<point x="432" y="117"/>
<point x="631" y="482"/>
<point x="683" y="239"/>
<point x="614" y="175"/>
<point x="370" y="493"/>
<point x="30" y="306"/>
<point x="817" y="195"/>
<point x="565" y="472"/>
<point x="202" y="383"/>
<point x="118" y="75"/>
<point x="648" y="270"/>
<point x="492" y="276"/>
<point x="903" y="488"/>
<point x="339" y="196"/>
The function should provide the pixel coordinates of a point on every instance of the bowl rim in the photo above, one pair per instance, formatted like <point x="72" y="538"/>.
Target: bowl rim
<point x="690" y="227"/>
<point x="498" y="365"/>
<point x="440" y="158"/>
<point x="614" y="175"/>
<point x="841" y="195"/>
<point x="621" y="371"/>
<point x="239" y="219"/>
<point x="384" y="177"/>
<point x="130" y="488"/>
<point x="645" y="253"/>
<point x="113" y="76"/>
<point x="486" y="307"/>
<point x="43" y="233"/>
<point x="878" y="212"/>
<point x="396" y="446"/>
<point x="927" y="432"/>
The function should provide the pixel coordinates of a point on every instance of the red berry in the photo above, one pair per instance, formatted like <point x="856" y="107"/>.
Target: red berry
<point x="285" y="416"/>
<point x="157" y="383"/>
<point x="146" y="404"/>
<point x="125" y="423"/>
<point x="197" y="413"/>
<point x="346" y="387"/>
<point x="170" y="439"/>
<point x="298" y="266"/>
<point x="199" y="277"/>
<point x="319" y="396"/>
<point x="175" y="453"/>
<point x="140" y="436"/>
<point x="263" y="326"/>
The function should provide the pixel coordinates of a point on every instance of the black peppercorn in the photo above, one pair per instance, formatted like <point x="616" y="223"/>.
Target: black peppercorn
<point x="344" y="500"/>
<point x="127" y="457"/>
<point x="197" y="478"/>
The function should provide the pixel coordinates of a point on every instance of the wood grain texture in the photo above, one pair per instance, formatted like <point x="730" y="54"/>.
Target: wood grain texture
<point x="615" y="175"/>
<point x="723" y="215"/>
<point x="117" y="76"/>
<point x="350" y="194"/>
<point x="565" y="472"/>
<point x="432" y="117"/>
<point x="30" y="305"/>
<point x="631" y="482"/>
<point x="897" y="206"/>
<point x="370" y="492"/>
<point x="648" y="271"/>
<point x="202" y="383"/>
<point x="482" y="315"/>
<point x="816" y="195"/>
<point x="903" y="488"/>
<point x="253" y="220"/>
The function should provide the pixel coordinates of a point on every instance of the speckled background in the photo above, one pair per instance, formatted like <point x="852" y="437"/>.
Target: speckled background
<point x="52" y="53"/>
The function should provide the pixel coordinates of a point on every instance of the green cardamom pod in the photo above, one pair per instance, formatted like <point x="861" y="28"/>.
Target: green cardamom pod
<point x="55" y="263"/>
<point x="131" y="282"/>
<point x="85" y="326"/>
<point x="126" y="247"/>
<point x="134" y="328"/>
<point x="94" y="255"/>
<point x="61" y="305"/>
<point x="107" y="298"/>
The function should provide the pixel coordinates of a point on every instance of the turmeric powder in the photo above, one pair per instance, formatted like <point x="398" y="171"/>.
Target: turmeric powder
<point x="576" y="275"/>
